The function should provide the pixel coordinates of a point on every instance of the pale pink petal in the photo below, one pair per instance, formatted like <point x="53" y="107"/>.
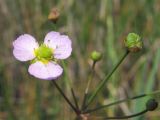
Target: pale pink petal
<point x="64" y="48"/>
<point x="24" y="47"/>
<point x="51" y="39"/>
<point x="47" y="71"/>
<point x="61" y="44"/>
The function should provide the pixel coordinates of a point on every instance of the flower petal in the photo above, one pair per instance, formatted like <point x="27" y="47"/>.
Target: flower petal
<point x="24" y="47"/>
<point x="64" y="48"/>
<point x="47" y="71"/>
<point x="61" y="44"/>
<point x="51" y="39"/>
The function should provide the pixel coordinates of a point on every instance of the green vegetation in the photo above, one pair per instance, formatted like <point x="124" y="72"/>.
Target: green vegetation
<point x="100" y="25"/>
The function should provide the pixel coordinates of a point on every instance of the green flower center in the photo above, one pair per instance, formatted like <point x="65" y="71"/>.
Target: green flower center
<point x="44" y="53"/>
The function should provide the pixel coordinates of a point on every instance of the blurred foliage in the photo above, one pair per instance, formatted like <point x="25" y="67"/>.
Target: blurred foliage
<point x="92" y="25"/>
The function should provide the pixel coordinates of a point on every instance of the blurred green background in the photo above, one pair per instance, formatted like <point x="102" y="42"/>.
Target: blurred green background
<point x="92" y="25"/>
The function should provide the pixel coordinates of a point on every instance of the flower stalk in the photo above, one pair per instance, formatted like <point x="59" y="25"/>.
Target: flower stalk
<point x="152" y="95"/>
<point x="75" y="99"/>
<point x="106" y="78"/>
<point x="88" y="85"/>
<point x="151" y="105"/>
<point x="115" y="103"/>
<point x="66" y="98"/>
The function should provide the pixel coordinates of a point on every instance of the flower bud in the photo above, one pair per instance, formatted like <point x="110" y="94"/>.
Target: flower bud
<point x="54" y="15"/>
<point x="151" y="104"/>
<point x="96" y="56"/>
<point x="133" y="42"/>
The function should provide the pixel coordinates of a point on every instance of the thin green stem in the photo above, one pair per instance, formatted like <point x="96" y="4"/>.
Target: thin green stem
<point x="106" y="78"/>
<point x="68" y="84"/>
<point x="88" y="85"/>
<point x="74" y="98"/>
<point x="65" y="97"/>
<point x="114" y="103"/>
<point x="154" y="93"/>
<point x="90" y="78"/>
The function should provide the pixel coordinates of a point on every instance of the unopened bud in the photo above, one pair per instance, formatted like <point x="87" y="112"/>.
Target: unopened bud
<point x="96" y="56"/>
<point x="54" y="15"/>
<point x="133" y="42"/>
<point x="151" y="104"/>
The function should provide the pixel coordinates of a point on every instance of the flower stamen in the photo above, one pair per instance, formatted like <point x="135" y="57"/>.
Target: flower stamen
<point x="44" y="53"/>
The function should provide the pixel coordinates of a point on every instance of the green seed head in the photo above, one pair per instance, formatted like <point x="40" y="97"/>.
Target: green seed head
<point x="96" y="56"/>
<point x="133" y="42"/>
<point x="44" y="53"/>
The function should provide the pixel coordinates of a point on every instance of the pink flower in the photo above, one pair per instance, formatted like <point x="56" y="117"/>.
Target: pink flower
<point x="44" y="57"/>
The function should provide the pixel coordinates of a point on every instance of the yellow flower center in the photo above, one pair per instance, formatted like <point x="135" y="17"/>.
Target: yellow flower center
<point x="44" y="53"/>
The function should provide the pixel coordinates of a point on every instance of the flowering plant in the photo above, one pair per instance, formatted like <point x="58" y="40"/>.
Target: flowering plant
<point x="44" y="65"/>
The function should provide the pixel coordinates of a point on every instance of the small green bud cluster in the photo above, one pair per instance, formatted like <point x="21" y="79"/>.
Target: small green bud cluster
<point x="133" y="42"/>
